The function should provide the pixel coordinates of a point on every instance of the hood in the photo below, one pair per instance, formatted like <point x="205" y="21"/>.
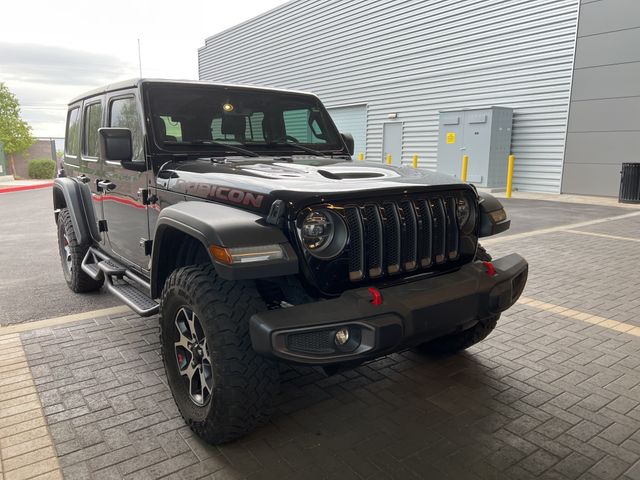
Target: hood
<point x="256" y="182"/>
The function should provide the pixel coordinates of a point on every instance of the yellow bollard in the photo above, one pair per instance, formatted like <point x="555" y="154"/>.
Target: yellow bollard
<point x="465" y="166"/>
<point x="388" y="159"/>
<point x="512" y="160"/>
<point x="415" y="161"/>
<point x="361" y="156"/>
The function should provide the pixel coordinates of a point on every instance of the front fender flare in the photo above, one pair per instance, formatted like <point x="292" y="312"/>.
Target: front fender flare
<point x="225" y="226"/>
<point x="490" y="223"/>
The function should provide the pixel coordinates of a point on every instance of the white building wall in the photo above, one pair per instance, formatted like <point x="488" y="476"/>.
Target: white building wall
<point x="414" y="58"/>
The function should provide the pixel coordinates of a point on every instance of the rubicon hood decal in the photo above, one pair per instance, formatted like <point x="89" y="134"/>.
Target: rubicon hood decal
<point x="217" y="192"/>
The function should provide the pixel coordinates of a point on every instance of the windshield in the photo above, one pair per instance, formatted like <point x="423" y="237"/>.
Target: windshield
<point x="188" y="117"/>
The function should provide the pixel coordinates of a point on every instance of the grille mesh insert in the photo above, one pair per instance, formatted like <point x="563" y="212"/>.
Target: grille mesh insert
<point x="373" y="240"/>
<point x="389" y="238"/>
<point x="311" y="342"/>
<point x="356" y="246"/>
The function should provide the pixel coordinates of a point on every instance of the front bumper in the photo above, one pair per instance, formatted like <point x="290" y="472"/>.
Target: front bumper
<point x="409" y="314"/>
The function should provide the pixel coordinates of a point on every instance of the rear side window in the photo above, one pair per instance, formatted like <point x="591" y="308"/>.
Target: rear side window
<point x="92" y="122"/>
<point x="72" y="136"/>
<point x="124" y="114"/>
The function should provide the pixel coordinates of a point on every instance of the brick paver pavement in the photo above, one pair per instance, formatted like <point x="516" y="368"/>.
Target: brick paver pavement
<point x="553" y="393"/>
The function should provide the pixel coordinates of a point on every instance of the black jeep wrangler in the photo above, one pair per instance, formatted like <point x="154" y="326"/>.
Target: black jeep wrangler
<point x="238" y="215"/>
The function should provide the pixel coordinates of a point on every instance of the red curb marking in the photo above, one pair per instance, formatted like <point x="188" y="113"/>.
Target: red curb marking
<point x="25" y="187"/>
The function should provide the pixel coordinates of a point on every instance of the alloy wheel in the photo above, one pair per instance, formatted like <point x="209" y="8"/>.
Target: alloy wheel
<point x="66" y="252"/>
<point x="193" y="357"/>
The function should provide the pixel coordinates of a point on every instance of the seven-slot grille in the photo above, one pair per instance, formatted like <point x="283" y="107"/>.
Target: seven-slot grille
<point x="391" y="237"/>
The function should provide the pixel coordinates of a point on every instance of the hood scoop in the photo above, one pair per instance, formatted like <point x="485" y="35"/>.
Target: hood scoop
<point x="344" y="175"/>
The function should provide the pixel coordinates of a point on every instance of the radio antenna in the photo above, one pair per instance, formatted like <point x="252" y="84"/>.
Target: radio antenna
<point x="139" y="59"/>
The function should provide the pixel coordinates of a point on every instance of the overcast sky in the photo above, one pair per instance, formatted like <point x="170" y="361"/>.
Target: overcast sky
<point x="51" y="51"/>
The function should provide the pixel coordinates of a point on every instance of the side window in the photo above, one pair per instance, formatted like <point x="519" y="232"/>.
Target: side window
<point x="297" y="125"/>
<point x="72" y="136"/>
<point x="216" y="129"/>
<point x="124" y="114"/>
<point x="92" y="122"/>
<point x="173" y="129"/>
<point x="252" y="128"/>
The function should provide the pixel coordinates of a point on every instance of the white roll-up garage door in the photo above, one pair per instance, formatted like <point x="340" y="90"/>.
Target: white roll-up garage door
<point x="353" y="120"/>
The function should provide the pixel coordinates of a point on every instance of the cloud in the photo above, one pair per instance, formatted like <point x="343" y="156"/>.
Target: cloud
<point x="45" y="122"/>
<point x="35" y="63"/>
<point x="45" y="78"/>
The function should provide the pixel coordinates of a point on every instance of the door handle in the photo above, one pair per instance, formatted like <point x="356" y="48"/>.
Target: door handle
<point x="106" y="185"/>
<point x="83" y="178"/>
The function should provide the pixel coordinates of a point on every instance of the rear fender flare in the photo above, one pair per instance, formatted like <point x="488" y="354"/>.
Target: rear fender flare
<point x="76" y="197"/>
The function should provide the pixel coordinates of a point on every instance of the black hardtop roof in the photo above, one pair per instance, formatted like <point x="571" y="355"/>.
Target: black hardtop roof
<point x="137" y="82"/>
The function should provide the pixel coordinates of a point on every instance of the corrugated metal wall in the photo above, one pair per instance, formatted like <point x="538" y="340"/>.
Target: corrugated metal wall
<point x="353" y="120"/>
<point x="414" y="58"/>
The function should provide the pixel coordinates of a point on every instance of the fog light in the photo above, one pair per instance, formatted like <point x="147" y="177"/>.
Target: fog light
<point x="342" y="336"/>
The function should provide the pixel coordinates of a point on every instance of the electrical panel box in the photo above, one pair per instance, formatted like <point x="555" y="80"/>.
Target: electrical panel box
<point x="484" y="135"/>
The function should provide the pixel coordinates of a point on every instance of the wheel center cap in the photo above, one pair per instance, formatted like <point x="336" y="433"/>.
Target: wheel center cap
<point x="197" y="352"/>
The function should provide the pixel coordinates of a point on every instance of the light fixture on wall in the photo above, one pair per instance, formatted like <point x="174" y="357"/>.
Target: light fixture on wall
<point x="392" y="116"/>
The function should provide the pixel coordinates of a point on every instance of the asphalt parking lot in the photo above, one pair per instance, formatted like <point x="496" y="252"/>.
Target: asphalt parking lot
<point x="553" y="393"/>
<point x="32" y="286"/>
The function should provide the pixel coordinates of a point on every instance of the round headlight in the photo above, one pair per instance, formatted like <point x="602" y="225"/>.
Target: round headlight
<point x="323" y="233"/>
<point x="317" y="231"/>
<point x="465" y="214"/>
<point x="463" y="210"/>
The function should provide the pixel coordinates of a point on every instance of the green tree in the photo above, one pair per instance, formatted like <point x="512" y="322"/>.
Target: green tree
<point x="15" y="133"/>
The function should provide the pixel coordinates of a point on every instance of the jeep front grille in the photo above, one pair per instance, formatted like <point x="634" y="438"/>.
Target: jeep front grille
<point x="393" y="237"/>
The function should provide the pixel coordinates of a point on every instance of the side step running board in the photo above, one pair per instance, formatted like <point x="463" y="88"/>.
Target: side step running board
<point x="122" y="282"/>
<point x="133" y="298"/>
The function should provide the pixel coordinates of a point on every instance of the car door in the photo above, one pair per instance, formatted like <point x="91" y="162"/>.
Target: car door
<point x="123" y="209"/>
<point x="392" y="142"/>
<point x="89" y="164"/>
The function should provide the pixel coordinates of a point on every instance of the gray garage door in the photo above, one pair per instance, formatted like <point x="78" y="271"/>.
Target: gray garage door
<point x="352" y="120"/>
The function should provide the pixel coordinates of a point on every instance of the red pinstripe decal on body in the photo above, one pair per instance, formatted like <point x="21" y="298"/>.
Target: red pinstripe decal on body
<point x="125" y="201"/>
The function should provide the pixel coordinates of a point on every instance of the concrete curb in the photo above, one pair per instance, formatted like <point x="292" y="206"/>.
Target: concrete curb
<point x="19" y="188"/>
<point x="52" y="322"/>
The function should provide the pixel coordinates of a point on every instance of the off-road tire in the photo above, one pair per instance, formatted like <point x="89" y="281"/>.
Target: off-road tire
<point x="245" y="384"/>
<point x="462" y="340"/>
<point x="76" y="278"/>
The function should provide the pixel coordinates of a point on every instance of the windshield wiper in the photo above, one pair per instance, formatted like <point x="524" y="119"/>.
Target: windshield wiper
<point x="235" y="148"/>
<point x="280" y="143"/>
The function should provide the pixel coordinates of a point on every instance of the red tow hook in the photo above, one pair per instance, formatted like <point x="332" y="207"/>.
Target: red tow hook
<point x="376" y="296"/>
<point x="491" y="270"/>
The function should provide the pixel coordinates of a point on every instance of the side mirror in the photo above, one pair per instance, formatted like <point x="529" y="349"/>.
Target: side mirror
<point x="349" y="142"/>
<point x="116" y="146"/>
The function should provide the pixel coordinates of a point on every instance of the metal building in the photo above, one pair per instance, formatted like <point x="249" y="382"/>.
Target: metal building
<point x="604" y="118"/>
<point x="386" y="68"/>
